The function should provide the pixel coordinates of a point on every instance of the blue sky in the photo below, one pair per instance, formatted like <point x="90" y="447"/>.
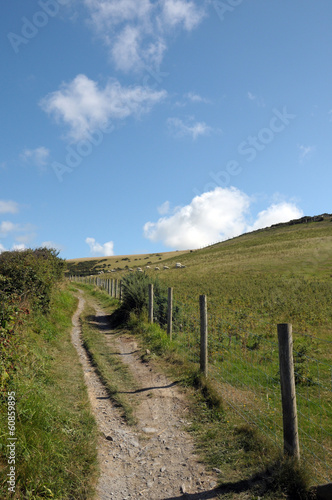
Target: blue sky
<point x="136" y="126"/>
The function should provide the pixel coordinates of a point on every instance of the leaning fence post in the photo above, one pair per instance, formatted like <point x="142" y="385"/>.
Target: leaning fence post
<point x="170" y="313"/>
<point x="150" y="303"/>
<point x="288" y="393"/>
<point x="204" y="335"/>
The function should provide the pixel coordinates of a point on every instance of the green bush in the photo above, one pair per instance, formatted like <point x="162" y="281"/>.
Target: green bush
<point x="31" y="274"/>
<point x="135" y="296"/>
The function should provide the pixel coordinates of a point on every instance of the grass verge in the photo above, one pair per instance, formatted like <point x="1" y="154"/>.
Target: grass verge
<point x="55" y="455"/>
<point x="100" y="344"/>
<point x="246" y="460"/>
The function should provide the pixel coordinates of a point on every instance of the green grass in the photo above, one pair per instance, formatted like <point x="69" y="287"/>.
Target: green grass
<point x="254" y="282"/>
<point x="247" y="459"/>
<point x="55" y="430"/>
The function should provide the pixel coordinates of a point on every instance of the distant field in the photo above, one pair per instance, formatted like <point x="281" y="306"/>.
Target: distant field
<point x="92" y="265"/>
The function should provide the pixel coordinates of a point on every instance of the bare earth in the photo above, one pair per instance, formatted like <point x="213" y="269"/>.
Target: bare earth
<point x="154" y="460"/>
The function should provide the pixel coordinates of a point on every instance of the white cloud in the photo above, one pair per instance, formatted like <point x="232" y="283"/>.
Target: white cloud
<point x="9" y="207"/>
<point x="7" y="227"/>
<point x="19" y="247"/>
<point x="176" y="12"/>
<point x="214" y="216"/>
<point x="2" y="248"/>
<point x="136" y="31"/>
<point x="180" y="129"/>
<point x="107" y="249"/>
<point x="38" y="156"/>
<point x="278" y="212"/>
<point x="191" y="96"/>
<point x="84" y="107"/>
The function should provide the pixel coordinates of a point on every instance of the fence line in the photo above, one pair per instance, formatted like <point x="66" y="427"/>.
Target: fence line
<point x="245" y="365"/>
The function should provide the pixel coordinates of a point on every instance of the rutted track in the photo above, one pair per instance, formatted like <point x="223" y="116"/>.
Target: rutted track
<point x="155" y="459"/>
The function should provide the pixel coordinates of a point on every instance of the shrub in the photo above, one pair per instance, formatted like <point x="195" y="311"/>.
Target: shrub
<point x="135" y="292"/>
<point x="31" y="274"/>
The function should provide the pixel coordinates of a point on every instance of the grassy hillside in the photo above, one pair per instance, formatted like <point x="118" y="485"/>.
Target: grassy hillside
<point x="278" y="274"/>
<point x="120" y="263"/>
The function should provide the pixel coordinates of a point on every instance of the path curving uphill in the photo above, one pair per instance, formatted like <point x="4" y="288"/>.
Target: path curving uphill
<point x="155" y="459"/>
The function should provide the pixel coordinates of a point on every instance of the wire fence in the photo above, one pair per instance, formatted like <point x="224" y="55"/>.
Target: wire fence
<point x="244" y="363"/>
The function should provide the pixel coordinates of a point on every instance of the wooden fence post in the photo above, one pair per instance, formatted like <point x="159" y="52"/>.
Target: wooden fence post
<point x="116" y="289"/>
<point x="170" y="313"/>
<point x="150" y="303"/>
<point x="204" y="335"/>
<point x="112" y="287"/>
<point x="288" y="393"/>
<point x="120" y="291"/>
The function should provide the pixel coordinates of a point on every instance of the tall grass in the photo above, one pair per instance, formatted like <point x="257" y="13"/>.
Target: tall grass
<point x="55" y="430"/>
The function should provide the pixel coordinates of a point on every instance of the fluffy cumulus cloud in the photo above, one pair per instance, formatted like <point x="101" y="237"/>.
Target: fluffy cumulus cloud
<point x="19" y="247"/>
<point x="214" y="216"/>
<point x="84" y="107"/>
<point x="8" y="207"/>
<point x="278" y="212"/>
<point x="136" y="32"/>
<point x="107" y="249"/>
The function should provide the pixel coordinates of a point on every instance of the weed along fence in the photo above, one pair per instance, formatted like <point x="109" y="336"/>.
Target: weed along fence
<point x="272" y="377"/>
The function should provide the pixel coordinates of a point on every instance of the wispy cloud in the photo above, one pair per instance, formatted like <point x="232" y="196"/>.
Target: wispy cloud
<point x="164" y="208"/>
<point x="215" y="216"/>
<point x="52" y="244"/>
<point x="8" y="207"/>
<point x="84" y="107"/>
<point x="107" y="249"/>
<point x="38" y="157"/>
<point x="196" y="98"/>
<point x="180" y="129"/>
<point x="136" y="32"/>
<point x="8" y="228"/>
<point x="305" y="151"/>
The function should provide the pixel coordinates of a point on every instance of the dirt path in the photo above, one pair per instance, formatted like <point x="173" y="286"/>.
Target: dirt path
<point x="155" y="459"/>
